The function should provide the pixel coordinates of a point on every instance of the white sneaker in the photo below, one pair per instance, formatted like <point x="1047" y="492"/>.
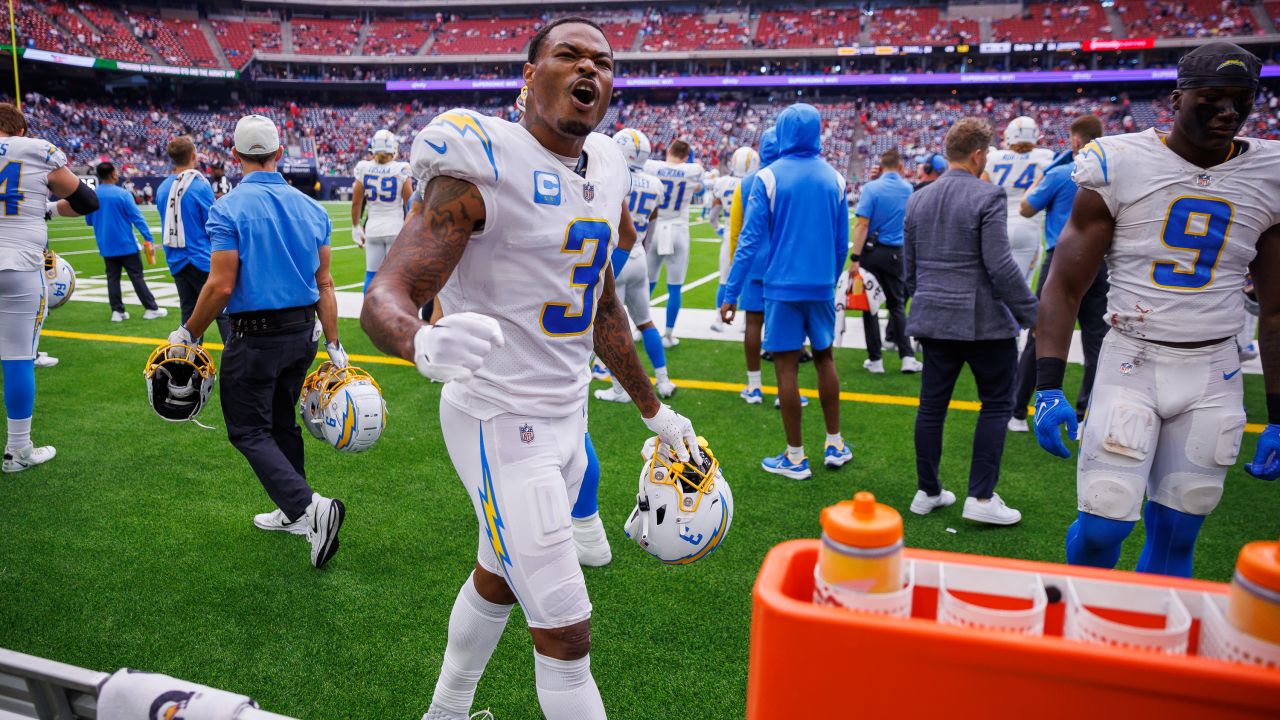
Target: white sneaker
<point x="613" y="394"/>
<point x="19" y="459"/>
<point x="153" y="314"/>
<point x="717" y="325"/>
<point x="993" y="512"/>
<point x="119" y="316"/>
<point x="277" y="520"/>
<point x="324" y="519"/>
<point x="669" y="341"/>
<point x="1018" y="425"/>
<point x="923" y="504"/>
<point x="910" y="365"/>
<point x="665" y="389"/>
<point x="875" y="367"/>
<point x="590" y="541"/>
<point x="45" y="360"/>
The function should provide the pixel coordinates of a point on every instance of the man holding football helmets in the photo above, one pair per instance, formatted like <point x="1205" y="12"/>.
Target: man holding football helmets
<point x="270" y="270"/>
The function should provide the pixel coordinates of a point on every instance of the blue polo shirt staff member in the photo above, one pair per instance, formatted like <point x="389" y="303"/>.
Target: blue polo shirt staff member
<point x="113" y="224"/>
<point x="1054" y="194"/>
<point x="269" y="269"/>
<point x="184" y="199"/>
<point x="877" y="246"/>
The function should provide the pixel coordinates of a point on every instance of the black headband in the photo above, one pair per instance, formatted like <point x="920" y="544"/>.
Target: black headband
<point x="1219" y="64"/>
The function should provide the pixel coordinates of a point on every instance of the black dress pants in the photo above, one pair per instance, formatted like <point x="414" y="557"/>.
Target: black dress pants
<point x="261" y="378"/>
<point x="886" y="264"/>
<point x="132" y="265"/>
<point x="189" y="281"/>
<point x="992" y="363"/>
<point x="1093" y="328"/>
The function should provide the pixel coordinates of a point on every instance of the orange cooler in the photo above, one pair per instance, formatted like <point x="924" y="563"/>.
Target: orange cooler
<point x="861" y="546"/>
<point x="1253" y="605"/>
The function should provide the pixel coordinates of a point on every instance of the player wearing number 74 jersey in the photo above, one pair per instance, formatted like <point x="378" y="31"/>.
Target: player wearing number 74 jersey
<point x="520" y="218"/>
<point x="1180" y="218"/>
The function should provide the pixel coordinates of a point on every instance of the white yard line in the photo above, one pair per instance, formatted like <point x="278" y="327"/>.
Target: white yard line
<point x="685" y="288"/>
<point x="352" y="286"/>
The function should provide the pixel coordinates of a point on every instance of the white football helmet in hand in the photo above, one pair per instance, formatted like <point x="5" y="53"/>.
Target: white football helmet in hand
<point x="456" y="346"/>
<point x="676" y="432"/>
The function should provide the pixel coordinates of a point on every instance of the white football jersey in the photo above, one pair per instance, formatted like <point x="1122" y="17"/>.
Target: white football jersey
<point x="646" y="194"/>
<point x="1016" y="173"/>
<point x="725" y="185"/>
<point x="536" y="265"/>
<point x="1184" y="235"/>
<point x="383" y="184"/>
<point x="25" y="164"/>
<point x="679" y="183"/>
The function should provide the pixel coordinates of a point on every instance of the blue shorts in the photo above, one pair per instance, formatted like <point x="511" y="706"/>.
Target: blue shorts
<point x="788" y="322"/>
<point x="752" y="298"/>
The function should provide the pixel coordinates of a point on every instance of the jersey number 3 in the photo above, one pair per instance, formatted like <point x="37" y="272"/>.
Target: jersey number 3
<point x="1198" y="225"/>
<point x="558" y="320"/>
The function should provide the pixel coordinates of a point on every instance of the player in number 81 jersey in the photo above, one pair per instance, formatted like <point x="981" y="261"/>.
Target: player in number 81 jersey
<point x="1180" y="217"/>
<point x="670" y="246"/>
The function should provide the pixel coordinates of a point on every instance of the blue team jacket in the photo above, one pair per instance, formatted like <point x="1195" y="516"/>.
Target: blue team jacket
<point x="114" y="220"/>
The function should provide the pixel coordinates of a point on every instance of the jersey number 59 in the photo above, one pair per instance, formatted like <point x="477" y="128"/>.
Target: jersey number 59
<point x="1198" y="225"/>
<point x="558" y="320"/>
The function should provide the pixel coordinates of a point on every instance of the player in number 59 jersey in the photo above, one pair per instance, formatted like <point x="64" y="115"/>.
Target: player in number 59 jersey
<point x="382" y="189"/>
<point x="29" y="170"/>
<point x="1180" y="218"/>
<point x="521" y="217"/>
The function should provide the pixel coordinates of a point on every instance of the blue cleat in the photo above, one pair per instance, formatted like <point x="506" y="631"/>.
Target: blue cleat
<point x="599" y="371"/>
<point x="834" y="457"/>
<point x="782" y="465"/>
<point x="753" y="396"/>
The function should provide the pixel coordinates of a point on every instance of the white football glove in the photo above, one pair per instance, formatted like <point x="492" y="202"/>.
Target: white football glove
<point x="456" y="346"/>
<point x="337" y="354"/>
<point x="675" y="431"/>
<point x="357" y="235"/>
<point x="181" y="337"/>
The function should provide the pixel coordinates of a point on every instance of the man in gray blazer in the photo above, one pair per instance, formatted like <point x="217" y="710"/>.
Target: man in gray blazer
<point x="970" y="300"/>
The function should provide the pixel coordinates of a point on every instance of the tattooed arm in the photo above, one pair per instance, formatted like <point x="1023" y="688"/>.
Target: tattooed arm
<point x="615" y="347"/>
<point x="1266" y="282"/>
<point x="429" y="247"/>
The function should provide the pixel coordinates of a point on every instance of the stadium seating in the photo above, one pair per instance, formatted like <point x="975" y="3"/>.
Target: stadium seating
<point x="817" y="28"/>
<point x="318" y="36"/>
<point x="113" y="40"/>
<point x="178" y="42"/>
<point x="396" y="37"/>
<point x="1054" y="21"/>
<point x="917" y="26"/>
<point x="240" y="38"/>
<point x="686" y="32"/>
<point x="40" y="27"/>
<point x="1189" y="18"/>
<point x="483" y="37"/>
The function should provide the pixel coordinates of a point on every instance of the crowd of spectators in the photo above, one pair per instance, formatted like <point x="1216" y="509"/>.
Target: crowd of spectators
<point x="1192" y="18"/>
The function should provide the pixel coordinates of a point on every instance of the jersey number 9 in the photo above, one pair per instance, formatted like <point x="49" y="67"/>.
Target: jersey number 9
<point x="1198" y="225"/>
<point x="557" y="318"/>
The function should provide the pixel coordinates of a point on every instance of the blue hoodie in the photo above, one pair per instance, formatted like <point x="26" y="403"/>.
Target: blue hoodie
<point x="768" y="153"/>
<point x="797" y="218"/>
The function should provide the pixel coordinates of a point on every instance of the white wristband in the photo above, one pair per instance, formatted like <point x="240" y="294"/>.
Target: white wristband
<point x="51" y="209"/>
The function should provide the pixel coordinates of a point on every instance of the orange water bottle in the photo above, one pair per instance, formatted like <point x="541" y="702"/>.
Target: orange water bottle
<point x="861" y="546"/>
<point x="1253" y="606"/>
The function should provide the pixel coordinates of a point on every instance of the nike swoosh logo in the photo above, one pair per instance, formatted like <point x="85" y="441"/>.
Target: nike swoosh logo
<point x="1043" y="408"/>
<point x="1228" y="376"/>
<point x="438" y="148"/>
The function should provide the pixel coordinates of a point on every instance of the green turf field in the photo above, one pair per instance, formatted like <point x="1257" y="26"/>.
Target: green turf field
<point x="135" y="548"/>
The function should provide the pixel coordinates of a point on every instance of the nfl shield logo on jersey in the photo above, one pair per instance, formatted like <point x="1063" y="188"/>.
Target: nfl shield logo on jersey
<point x="1203" y="179"/>
<point x="526" y="434"/>
<point x="588" y="192"/>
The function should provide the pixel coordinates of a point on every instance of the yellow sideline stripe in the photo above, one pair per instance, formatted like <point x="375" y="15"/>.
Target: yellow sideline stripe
<point x="856" y="397"/>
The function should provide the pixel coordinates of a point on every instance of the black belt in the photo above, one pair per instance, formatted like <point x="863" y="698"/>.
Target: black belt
<point x="274" y="322"/>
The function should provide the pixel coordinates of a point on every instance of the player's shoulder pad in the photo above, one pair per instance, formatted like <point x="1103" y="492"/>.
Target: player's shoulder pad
<point x="359" y="169"/>
<point x="1042" y="156"/>
<point x="1096" y="163"/>
<point x="48" y="153"/>
<point x="457" y="143"/>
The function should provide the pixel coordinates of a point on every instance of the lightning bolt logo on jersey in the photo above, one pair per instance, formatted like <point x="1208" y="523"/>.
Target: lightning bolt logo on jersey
<point x="1184" y="235"/>
<point x="537" y="264"/>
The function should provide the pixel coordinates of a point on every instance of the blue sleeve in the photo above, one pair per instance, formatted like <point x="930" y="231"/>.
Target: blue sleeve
<point x="201" y="196"/>
<point x="222" y="232"/>
<point x="866" y="202"/>
<point x="326" y="228"/>
<point x="755" y="232"/>
<point x="619" y="260"/>
<point x="139" y="222"/>
<point x="842" y="233"/>
<point x="88" y="219"/>
<point x="1042" y="195"/>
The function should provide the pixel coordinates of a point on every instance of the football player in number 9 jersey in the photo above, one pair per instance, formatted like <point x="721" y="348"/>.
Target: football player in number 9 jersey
<point x="680" y="180"/>
<point x="1180" y="217"/>
<point x="520" y="218"/>
<point x="1016" y="169"/>
<point x="29" y="170"/>
<point x="382" y="187"/>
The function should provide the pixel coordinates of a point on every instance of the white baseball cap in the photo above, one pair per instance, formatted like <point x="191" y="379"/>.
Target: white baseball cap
<point x="256" y="135"/>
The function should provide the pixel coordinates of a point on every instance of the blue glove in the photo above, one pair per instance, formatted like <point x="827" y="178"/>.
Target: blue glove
<point x="1052" y="412"/>
<point x="619" y="260"/>
<point x="1266" y="461"/>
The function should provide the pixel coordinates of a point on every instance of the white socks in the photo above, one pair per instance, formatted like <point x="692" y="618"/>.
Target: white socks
<point x="836" y="440"/>
<point x="661" y="374"/>
<point x="753" y="379"/>
<point x="475" y="626"/>
<point x="566" y="690"/>
<point x="795" y="454"/>
<point x="19" y="434"/>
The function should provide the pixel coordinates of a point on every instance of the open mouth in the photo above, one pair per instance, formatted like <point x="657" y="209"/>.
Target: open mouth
<point x="584" y="92"/>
